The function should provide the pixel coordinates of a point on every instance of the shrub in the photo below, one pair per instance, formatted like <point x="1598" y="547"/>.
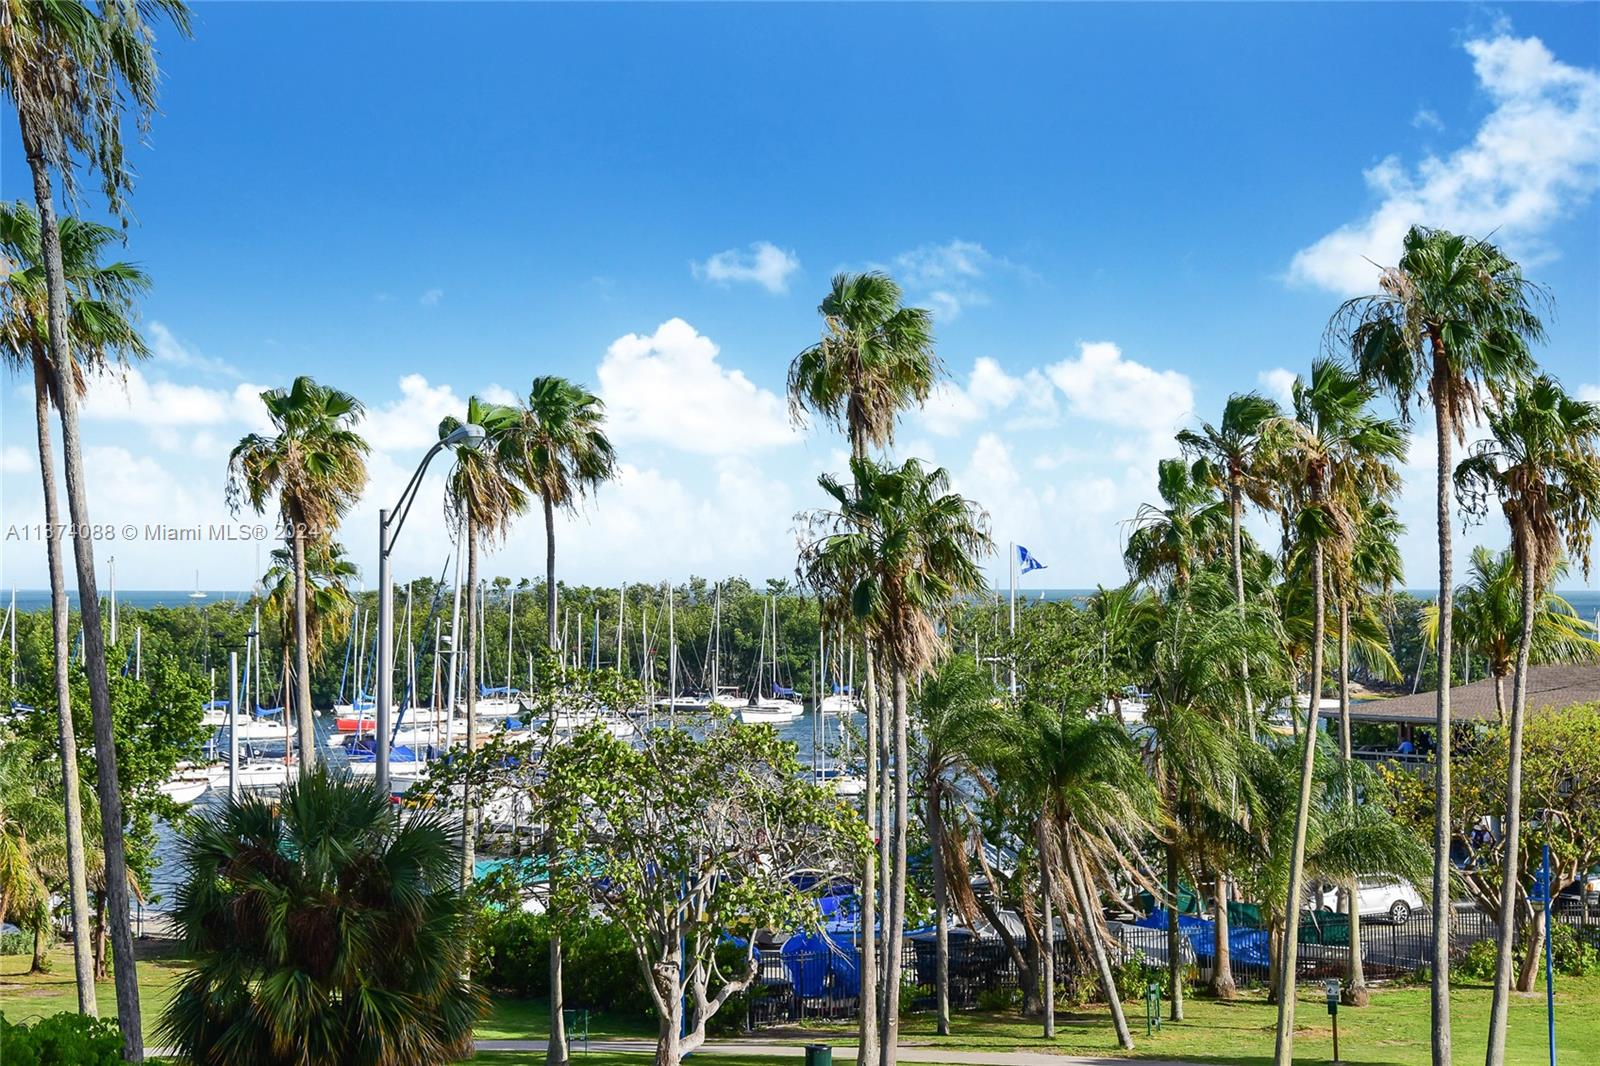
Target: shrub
<point x="1573" y="957"/>
<point x="600" y="971"/>
<point x="999" y="999"/>
<point x="64" y="1039"/>
<point x="1477" y="964"/>
<point x="16" y="944"/>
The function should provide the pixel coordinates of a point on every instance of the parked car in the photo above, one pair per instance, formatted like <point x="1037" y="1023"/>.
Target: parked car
<point x="1586" y="889"/>
<point x="1391" y="897"/>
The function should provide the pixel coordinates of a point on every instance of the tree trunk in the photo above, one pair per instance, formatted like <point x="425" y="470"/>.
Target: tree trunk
<point x="1283" y="1054"/>
<point x="867" y="1045"/>
<point x="885" y="837"/>
<point x="1355" y="984"/>
<point x="1439" y="990"/>
<point x="1528" y="972"/>
<point x="306" y="734"/>
<point x="99" y="953"/>
<point x="895" y="933"/>
<point x="669" y="1029"/>
<point x="61" y="642"/>
<point x="1222" y="985"/>
<point x="550" y="575"/>
<point x="94" y="646"/>
<point x="1174" y="939"/>
<point x="1511" y="842"/>
<point x="469" y="822"/>
<point x="1094" y="933"/>
<point x="941" y="904"/>
<point x="1048" y="953"/>
<point x="41" y="942"/>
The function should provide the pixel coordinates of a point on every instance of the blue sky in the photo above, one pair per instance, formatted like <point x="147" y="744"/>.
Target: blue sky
<point x="1119" y="214"/>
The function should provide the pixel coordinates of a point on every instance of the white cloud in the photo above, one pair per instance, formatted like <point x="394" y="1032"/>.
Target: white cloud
<point x="431" y="297"/>
<point x="1102" y="386"/>
<point x="990" y="391"/>
<point x="1426" y="119"/>
<point x="764" y="264"/>
<point x="412" y="421"/>
<point x="498" y="394"/>
<point x="1535" y="157"/>
<point x="1279" y="384"/>
<point x="669" y="387"/>
<point x="166" y="348"/>
<point x="1589" y="393"/>
<point x="127" y="395"/>
<point x="947" y="276"/>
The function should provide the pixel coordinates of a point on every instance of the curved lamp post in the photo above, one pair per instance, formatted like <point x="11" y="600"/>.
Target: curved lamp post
<point x="389" y="523"/>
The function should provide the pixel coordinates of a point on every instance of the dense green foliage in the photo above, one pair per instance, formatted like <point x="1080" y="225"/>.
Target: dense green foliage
<point x="60" y="1040"/>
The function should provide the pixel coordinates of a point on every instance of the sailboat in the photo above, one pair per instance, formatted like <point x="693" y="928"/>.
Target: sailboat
<point x="499" y="702"/>
<point x="197" y="594"/>
<point x="781" y="707"/>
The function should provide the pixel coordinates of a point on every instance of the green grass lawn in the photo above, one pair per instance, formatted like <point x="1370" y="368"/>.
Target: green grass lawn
<point x="1393" y="1031"/>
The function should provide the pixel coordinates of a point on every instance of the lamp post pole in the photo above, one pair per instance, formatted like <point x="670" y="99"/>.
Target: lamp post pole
<point x="389" y="523"/>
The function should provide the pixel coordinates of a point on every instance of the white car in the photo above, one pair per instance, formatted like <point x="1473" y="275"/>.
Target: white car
<point x="1379" y="895"/>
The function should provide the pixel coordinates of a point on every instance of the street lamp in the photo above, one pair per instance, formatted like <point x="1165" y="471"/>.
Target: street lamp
<point x="389" y="523"/>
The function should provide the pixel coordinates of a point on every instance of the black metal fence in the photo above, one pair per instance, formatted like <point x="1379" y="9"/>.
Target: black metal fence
<point x="822" y="985"/>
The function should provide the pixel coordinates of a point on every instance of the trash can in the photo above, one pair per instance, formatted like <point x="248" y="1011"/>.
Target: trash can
<point x="819" y="1055"/>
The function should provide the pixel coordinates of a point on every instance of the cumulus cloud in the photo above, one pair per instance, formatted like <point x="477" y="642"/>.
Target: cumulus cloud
<point x="1102" y="386"/>
<point x="763" y="263"/>
<point x="431" y="297"/>
<point x="16" y="460"/>
<point x="1589" y="393"/>
<point x="1535" y="157"/>
<point x="948" y="276"/>
<point x="1278" y="384"/>
<point x="990" y="391"/>
<point x="412" y="421"/>
<point x="669" y="387"/>
<point x="127" y="395"/>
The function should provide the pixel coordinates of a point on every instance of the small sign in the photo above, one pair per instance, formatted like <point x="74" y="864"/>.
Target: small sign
<point x="1332" y="987"/>
<point x="1152" y="1008"/>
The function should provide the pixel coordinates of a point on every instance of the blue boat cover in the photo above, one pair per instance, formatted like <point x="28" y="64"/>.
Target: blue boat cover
<point x="1244" y="945"/>
<point x="821" y="964"/>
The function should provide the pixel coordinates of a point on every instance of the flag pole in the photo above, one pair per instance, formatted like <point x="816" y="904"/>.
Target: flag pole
<point x="1013" y="565"/>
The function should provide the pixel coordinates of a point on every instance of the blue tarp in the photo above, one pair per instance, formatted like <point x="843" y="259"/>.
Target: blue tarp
<point x="485" y="690"/>
<point x="1244" y="945"/>
<point x="822" y="964"/>
<point x="778" y="691"/>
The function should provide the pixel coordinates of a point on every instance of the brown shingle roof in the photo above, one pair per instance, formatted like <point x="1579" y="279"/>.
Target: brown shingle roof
<point x="1548" y="686"/>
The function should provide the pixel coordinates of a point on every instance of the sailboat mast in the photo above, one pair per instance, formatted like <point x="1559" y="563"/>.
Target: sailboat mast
<point x="622" y="609"/>
<point x="716" y="639"/>
<point x="511" y="627"/>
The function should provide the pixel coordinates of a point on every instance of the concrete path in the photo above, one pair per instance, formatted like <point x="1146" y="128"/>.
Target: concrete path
<point x="845" y="1053"/>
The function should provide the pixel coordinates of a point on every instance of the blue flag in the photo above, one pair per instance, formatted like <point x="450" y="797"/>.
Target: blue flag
<point x="1026" y="562"/>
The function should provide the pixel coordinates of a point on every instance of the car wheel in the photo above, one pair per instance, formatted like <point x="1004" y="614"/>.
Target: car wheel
<point x="1399" y="912"/>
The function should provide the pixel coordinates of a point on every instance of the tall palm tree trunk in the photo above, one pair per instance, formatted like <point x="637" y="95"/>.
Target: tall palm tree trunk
<point x="94" y="645"/>
<point x="1048" y="954"/>
<point x="867" y="1046"/>
<point x="1439" y="989"/>
<point x="1283" y="1054"/>
<point x="550" y="575"/>
<point x="1509" y="874"/>
<point x="469" y="821"/>
<point x="941" y="904"/>
<point x="1355" y="990"/>
<point x="61" y="638"/>
<point x="1222" y="984"/>
<point x="1174" y="938"/>
<point x="556" y="1051"/>
<point x="1093" y="933"/>
<point x="305" y="730"/>
<point x="895" y="938"/>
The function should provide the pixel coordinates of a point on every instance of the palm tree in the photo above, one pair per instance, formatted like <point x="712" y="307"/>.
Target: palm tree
<point x="565" y="456"/>
<point x="316" y="465"/>
<point x="1488" y="617"/>
<point x="1373" y="565"/>
<point x="1187" y="529"/>
<point x="32" y="839"/>
<point x="70" y="71"/>
<point x="898" y="548"/>
<point x="960" y="731"/>
<point x="323" y="927"/>
<point x="1542" y="460"/>
<point x="100" y="320"/>
<point x="1196" y="648"/>
<point x="1455" y="316"/>
<point x="1226" y="458"/>
<point x="1336" y="449"/>
<point x="329" y="573"/>
<point x="875" y="359"/>
<point x="482" y="498"/>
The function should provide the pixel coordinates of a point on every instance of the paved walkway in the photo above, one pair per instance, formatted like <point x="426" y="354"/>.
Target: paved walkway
<point x="845" y="1053"/>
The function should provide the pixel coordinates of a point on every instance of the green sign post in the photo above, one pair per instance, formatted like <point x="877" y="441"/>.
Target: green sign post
<point x="1152" y="1008"/>
<point x="1333" y="1012"/>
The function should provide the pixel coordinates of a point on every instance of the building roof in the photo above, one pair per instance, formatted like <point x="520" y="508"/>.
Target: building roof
<point x="1548" y="686"/>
